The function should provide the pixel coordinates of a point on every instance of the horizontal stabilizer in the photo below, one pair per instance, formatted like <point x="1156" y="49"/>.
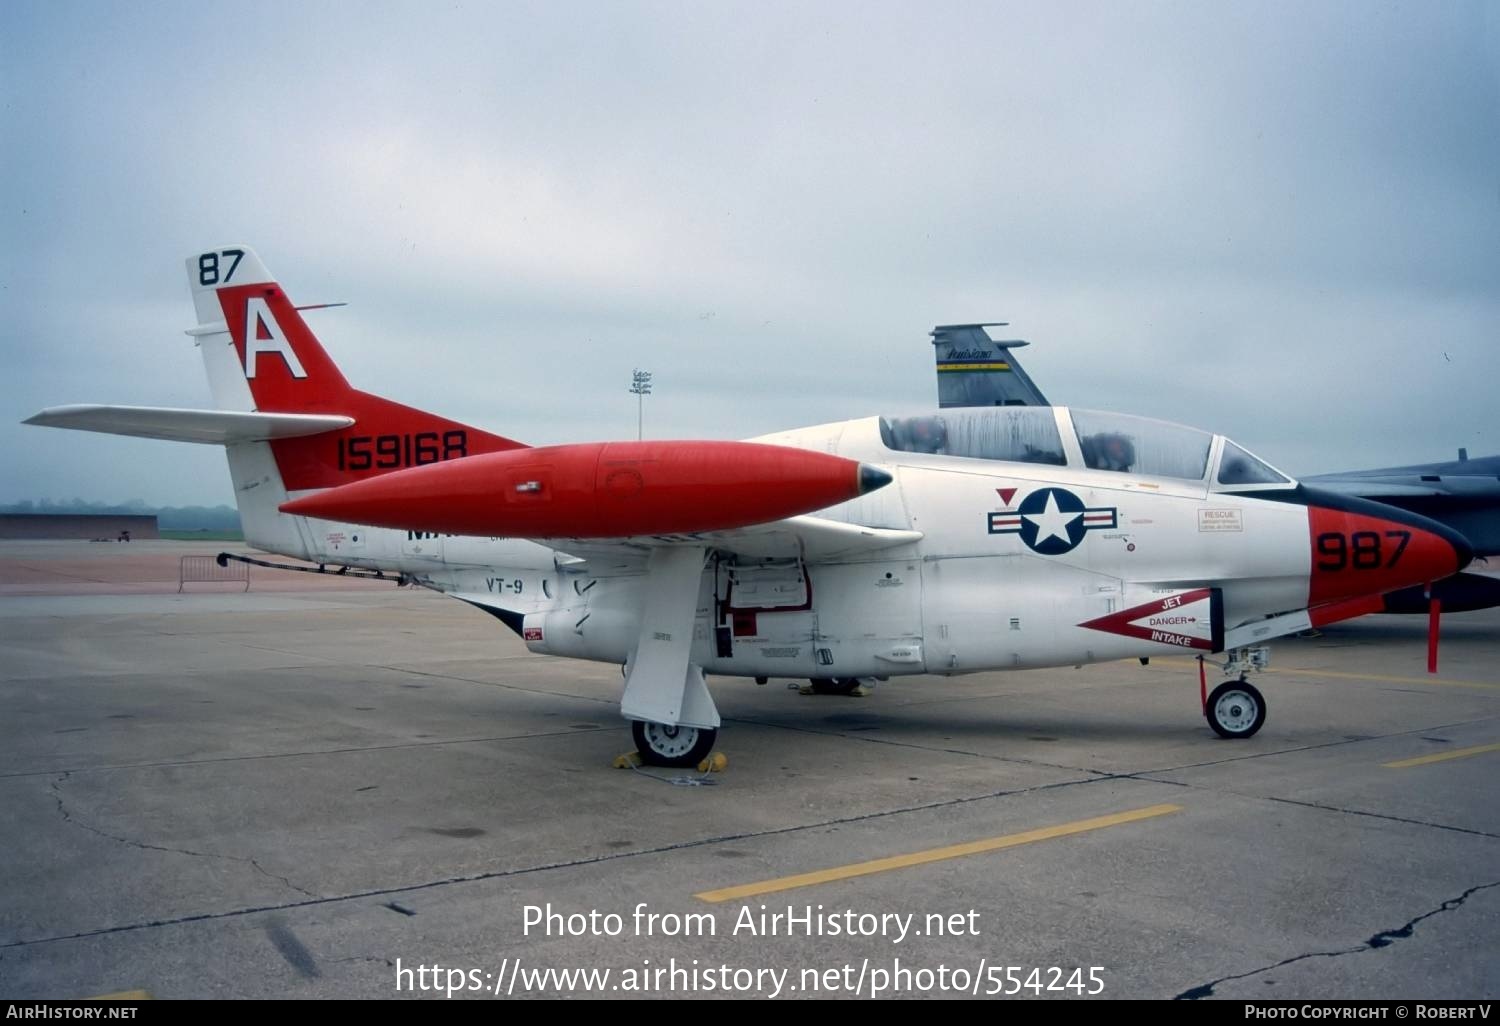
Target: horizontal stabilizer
<point x="207" y="427"/>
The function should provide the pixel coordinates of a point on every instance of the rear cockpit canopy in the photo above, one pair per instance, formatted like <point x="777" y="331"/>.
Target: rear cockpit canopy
<point x="1057" y="436"/>
<point x="1019" y="434"/>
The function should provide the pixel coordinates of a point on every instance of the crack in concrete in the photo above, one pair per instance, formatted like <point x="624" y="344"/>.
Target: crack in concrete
<point x="542" y="692"/>
<point x="547" y="867"/>
<point x="312" y="752"/>
<point x="378" y="959"/>
<point x="845" y="735"/>
<point x="1251" y="796"/>
<point x="1380" y="940"/>
<point x="1382" y="815"/>
<point x="68" y="817"/>
<point x="1100" y="773"/>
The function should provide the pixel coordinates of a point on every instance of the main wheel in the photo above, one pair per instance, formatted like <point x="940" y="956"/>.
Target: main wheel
<point x="661" y="745"/>
<point x="1236" y="709"/>
<point x="834" y="685"/>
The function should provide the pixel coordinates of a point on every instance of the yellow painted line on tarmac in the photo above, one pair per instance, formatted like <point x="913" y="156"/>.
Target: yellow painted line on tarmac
<point x="1427" y="760"/>
<point x="920" y="858"/>
<point x="122" y="995"/>
<point x="1346" y="675"/>
<point x="1343" y="675"/>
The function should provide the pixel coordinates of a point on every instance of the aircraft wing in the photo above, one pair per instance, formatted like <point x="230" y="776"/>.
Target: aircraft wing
<point x="208" y="427"/>
<point x="809" y="538"/>
<point x="1372" y="489"/>
<point x="1462" y="478"/>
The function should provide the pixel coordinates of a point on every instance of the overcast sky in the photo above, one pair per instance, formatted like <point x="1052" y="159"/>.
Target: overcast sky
<point x="1280" y="221"/>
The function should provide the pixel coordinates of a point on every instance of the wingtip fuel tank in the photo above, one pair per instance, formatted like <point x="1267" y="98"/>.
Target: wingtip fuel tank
<point x="600" y="490"/>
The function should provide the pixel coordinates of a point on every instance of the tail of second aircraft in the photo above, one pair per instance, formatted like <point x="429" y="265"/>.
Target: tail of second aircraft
<point x="976" y="370"/>
<point x="289" y="420"/>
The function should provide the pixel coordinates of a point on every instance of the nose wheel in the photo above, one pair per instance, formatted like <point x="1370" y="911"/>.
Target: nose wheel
<point x="1235" y="709"/>
<point x="661" y="745"/>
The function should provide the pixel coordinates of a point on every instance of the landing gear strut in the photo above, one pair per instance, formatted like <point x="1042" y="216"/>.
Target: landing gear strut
<point x="661" y="745"/>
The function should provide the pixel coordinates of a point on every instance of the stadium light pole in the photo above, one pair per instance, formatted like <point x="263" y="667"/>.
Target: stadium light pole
<point x="640" y="384"/>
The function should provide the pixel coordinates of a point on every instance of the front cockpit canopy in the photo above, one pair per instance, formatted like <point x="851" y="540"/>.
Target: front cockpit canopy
<point x="1135" y="445"/>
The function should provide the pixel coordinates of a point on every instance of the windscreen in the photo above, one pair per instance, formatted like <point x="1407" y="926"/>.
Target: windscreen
<point x="1238" y="467"/>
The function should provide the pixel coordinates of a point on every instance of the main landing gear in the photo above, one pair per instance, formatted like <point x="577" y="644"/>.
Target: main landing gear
<point x="1236" y="708"/>
<point x="661" y="745"/>
<point x="834" y="686"/>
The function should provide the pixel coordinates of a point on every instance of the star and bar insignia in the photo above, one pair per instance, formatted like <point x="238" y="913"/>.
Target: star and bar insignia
<point x="1052" y="521"/>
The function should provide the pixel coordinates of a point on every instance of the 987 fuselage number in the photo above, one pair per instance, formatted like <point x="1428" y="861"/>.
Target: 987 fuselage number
<point x="1362" y="550"/>
<point x="387" y="452"/>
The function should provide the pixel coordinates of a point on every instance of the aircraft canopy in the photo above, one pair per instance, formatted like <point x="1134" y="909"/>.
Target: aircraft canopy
<point x="1106" y="441"/>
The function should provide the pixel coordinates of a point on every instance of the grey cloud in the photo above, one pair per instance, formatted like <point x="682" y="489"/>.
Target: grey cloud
<point x="1277" y="220"/>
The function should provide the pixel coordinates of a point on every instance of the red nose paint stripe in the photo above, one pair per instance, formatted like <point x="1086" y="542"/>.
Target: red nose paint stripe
<point x="1357" y="554"/>
<point x="1348" y="609"/>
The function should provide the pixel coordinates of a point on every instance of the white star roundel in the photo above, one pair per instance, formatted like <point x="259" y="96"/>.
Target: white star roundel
<point x="1052" y="521"/>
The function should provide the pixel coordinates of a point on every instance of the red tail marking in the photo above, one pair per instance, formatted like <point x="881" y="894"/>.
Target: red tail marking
<point x="1006" y="494"/>
<point x="289" y="372"/>
<point x="274" y="383"/>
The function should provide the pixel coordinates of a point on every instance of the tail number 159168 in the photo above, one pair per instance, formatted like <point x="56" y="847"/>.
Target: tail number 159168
<point x="387" y="452"/>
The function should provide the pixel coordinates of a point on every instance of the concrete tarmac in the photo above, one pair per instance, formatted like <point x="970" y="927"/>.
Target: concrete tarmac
<point x="327" y="788"/>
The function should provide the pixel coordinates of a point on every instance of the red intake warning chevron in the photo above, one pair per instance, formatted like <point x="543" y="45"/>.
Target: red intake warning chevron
<point x="1189" y="619"/>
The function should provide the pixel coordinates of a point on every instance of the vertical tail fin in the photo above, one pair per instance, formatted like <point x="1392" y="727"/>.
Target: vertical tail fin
<point x="286" y="416"/>
<point x="976" y="370"/>
<point x="261" y="356"/>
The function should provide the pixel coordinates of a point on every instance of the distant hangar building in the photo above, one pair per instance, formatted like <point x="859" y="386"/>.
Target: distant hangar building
<point x="90" y="527"/>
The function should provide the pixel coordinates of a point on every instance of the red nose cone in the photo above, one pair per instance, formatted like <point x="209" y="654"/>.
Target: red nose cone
<point x="1368" y="550"/>
<point x="599" y="490"/>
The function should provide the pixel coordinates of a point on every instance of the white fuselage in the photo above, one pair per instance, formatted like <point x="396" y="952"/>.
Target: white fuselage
<point x="972" y="594"/>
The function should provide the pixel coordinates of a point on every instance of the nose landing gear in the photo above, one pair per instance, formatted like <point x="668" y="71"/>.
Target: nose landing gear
<point x="1236" y="708"/>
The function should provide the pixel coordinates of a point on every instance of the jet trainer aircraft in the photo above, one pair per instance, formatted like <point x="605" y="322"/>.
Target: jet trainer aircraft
<point x="981" y="539"/>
